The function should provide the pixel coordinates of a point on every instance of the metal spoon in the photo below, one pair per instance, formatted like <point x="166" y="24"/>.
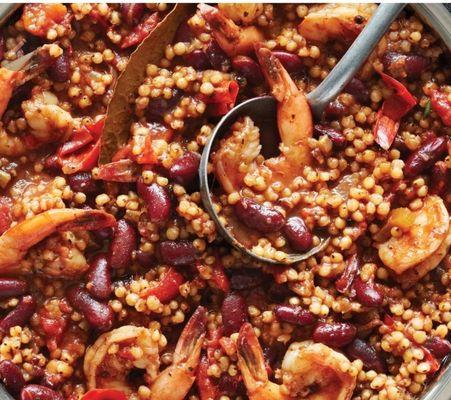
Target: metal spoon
<point x="261" y="107"/>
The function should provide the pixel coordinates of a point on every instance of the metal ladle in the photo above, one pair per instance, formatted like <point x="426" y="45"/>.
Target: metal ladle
<point x="261" y="107"/>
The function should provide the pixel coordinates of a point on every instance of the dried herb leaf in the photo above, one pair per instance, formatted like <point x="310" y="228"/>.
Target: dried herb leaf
<point x="119" y="115"/>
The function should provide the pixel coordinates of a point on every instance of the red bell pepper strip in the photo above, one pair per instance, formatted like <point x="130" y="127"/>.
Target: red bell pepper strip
<point x="123" y="153"/>
<point x="442" y="106"/>
<point x="104" y="394"/>
<point x="78" y="139"/>
<point x="393" y="109"/>
<point x="223" y="98"/>
<point x="208" y="389"/>
<point x="82" y="161"/>
<point x="119" y="171"/>
<point x="141" y="31"/>
<point x="344" y="283"/>
<point x="167" y="288"/>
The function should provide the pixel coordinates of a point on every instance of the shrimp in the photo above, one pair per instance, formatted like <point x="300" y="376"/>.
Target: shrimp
<point x="335" y="21"/>
<point x="233" y="39"/>
<point x="242" y="13"/>
<point x="310" y="371"/>
<point x="17" y="240"/>
<point x="426" y="234"/>
<point x="237" y="155"/>
<point x="8" y="82"/>
<point x="108" y="361"/>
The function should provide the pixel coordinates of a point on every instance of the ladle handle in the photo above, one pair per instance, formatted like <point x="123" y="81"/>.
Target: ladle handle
<point x="356" y="55"/>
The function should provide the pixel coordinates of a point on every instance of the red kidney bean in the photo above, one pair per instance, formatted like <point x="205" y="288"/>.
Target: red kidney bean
<point x="248" y="68"/>
<point x="259" y="217"/>
<point x="336" y="109"/>
<point x="439" y="347"/>
<point x="12" y="287"/>
<point x="411" y="64"/>
<point x="425" y="156"/>
<point x="242" y="281"/>
<point x="132" y="12"/>
<point x="294" y="315"/>
<point x="38" y="392"/>
<point x="20" y="315"/>
<point x="358" y="89"/>
<point x="176" y="253"/>
<point x="218" y="59"/>
<point x="83" y="182"/>
<point x="99" y="315"/>
<point x="336" y="334"/>
<point x="359" y="349"/>
<point x="11" y="376"/>
<point x="144" y="259"/>
<point x="184" y="170"/>
<point x="234" y="313"/>
<point x="415" y="65"/>
<point x="335" y="136"/>
<point x="59" y="71"/>
<point x="440" y="176"/>
<point x="197" y="59"/>
<point x="291" y="62"/>
<point x="99" y="277"/>
<point x="298" y="234"/>
<point x="367" y="293"/>
<point x="122" y="245"/>
<point x="157" y="199"/>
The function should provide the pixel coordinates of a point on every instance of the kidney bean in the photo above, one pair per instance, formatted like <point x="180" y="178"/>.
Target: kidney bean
<point x="367" y="293"/>
<point x="157" y="201"/>
<point x="122" y="245"/>
<point x="259" y="217"/>
<point x="20" y="315"/>
<point x="234" y="313"/>
<point x="11" y="376"/>
<point x="336" y="334"/>
<point x="197" y="59"/>
<point x="291" y="62"/>
<point x="425" y="156"/>
<point x="99" y="315"/>
<point x="335" y="136"/>
<point x="411" y="64"/>
<point x="298" y="234"/>
<point x="59" y="70"/>
<point x="38" y="392"/>
<point x="184" y="170"/>
<point x="335" y="109"/>
<point x="294" y="315"/>
<point x="99" y="277"/>
<point x="12" y="287"/>
<point x="218" y="59"/>
<point x="358" y="89"/>
<point x="176" y="253"/>
<point x="415" y="65"/>
<point x="248" y="68"/>
<point x="132" y="12"/>
<point x="144" y="259"/>
<point x="83" y="182"/>
<point x="439" y="347"/>
<point x="440" y="176"/>
<point x="242" y="281"/>
<point x="359" y="349"/>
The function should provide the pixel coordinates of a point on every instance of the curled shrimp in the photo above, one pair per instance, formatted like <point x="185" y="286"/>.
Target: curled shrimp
<point x="310" y="371"/>
<point x="237" y="155"/>
<point x="425" y="235"/>
<point x="233" y="39"/>
<point x="326" y="22"/>
<point x="17" y="240"/>
<point x="108" y="361"/>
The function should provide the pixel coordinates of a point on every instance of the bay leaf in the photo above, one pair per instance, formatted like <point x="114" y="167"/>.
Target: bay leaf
<point x="120" y="111"/>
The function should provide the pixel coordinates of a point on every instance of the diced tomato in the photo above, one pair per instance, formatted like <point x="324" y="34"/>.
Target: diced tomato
<point x="442" y="106"/>
<point x="223" y="98"/>
<point x="119" y="171"/>
<point x="104" y="394"/>
<point x="141" y="31"/>
<point x="167" y="288"/>
<point x="5" y="213"/>
<point x="393" y="109"/>
<point x="208" y="388"/>
<point x="218" y="277"/>
<point x="146" y="143"/>
<point x="39" y="18"/>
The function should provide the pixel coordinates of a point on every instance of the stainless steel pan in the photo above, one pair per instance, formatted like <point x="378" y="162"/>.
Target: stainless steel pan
<point x="438" y="18"/>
